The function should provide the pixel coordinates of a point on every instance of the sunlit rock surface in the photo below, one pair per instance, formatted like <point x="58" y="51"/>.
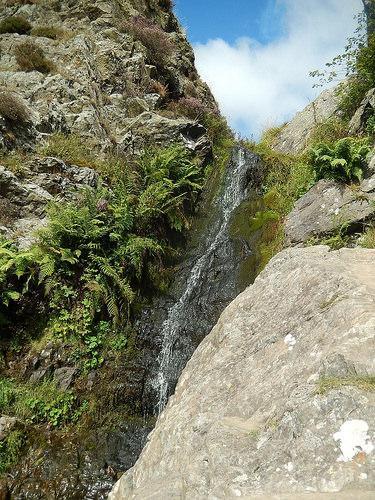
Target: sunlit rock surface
<point x="277" y="399"/>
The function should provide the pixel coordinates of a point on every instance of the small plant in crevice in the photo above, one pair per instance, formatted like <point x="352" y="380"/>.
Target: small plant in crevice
<point x="42" y="403"/>
<point x="156" y="41"/>
<point x="367" y="240"/>
<point x="10" y="449"/>
<point x="52" y="32"/>
<point x="15" y="24"/>
<point x="344" y="161"/>
<point x="370" y="125"/>
<point x="13" y="109"/>
<point x="30" y="57"/>
<point x="339" y="238"/>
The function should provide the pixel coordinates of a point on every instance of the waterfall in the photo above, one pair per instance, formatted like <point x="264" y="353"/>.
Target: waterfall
<point x="235" y="190"/>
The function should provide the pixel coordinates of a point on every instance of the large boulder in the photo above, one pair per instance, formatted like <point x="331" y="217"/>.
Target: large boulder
<point x="327" y="207"/>
<point x="277" y="399"/>
<point x="294" y="137"/>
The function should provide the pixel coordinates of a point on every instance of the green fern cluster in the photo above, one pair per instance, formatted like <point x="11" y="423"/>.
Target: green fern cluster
<point x="344" y="161"/>
<point x="98" y="254"/>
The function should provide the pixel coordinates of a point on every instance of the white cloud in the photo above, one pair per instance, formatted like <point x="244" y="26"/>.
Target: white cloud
<point x="261" y="85"/>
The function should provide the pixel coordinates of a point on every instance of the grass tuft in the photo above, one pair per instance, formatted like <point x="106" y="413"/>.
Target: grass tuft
<point x="362" y="382"/>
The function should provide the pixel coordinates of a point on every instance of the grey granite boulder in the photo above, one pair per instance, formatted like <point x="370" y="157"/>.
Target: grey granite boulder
<point x="327" y="207"/>
<point x="249" y="416"/>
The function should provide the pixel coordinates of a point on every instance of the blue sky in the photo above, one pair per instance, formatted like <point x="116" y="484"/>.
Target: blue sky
<point x="256" y="54"/>
<point x="230" y="19"/>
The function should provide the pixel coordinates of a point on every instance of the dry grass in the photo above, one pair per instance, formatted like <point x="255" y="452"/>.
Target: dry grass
<point x="15" y="24"/>
<point x="30" y="57"/>
<point x="51" y="32"/>
<point x="368" y="239"/>
<point x="153" y="38"/>
<point x="13" y="109"/>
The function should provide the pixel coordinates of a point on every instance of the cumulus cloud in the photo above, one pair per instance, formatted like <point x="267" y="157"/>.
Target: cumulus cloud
<point x="262" y="85"/>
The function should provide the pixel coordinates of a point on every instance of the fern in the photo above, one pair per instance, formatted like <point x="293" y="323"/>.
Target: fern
<point x="345" y="161"/>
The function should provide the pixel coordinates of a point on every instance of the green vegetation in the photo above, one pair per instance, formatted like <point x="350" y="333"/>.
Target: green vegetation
<point x="338" y="239"/>
<point x="11" y="449"/>
<point x="286" y="179"/>
<point x="329" y="131"/>
<point x="30" y="57"/>
<point x="41" y="403"/>
<point x="13" y="109"/>
<point x="15" y="24"/>
<point x="103" y="254"/>
<point x="357" y="64"/>
<point x="368" y="238"/>
<point x="344" y="161"/>
<point x="362" y="382"/>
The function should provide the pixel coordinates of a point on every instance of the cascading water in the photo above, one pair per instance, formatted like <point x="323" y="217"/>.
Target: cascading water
<point x="240" y="177"/>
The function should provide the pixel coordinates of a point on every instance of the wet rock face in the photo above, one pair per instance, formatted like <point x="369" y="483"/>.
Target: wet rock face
<point x="250" y="414"/>
<point x="327" y="207"/>
<point x="206" y="281"/>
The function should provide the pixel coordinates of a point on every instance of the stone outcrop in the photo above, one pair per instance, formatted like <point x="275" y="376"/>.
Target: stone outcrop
<point x="277" y="400"/>
<point x="103" y="76"/>
<point x="294" y="136"/>
<point x="327" y="207"/>
<point x="24" y="195"/>
<point x="358" y="122"/>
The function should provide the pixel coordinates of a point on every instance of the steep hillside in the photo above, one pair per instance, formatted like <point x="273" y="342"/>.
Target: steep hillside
<point x="107" y="139"/>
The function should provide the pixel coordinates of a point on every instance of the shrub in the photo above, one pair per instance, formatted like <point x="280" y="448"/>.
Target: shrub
<point x="153" y="38"/>
<point x="345" y="161"/>
<point x="166" y="4"/>
<point x="13" y="109"/>
<point x="48" y="32"/>
<point x="191" y="107"/>
<point x="362" y="80"/>
<point x="30" y="57"/>
<point x="15" y="24"/>
<point x="158" y="88"/>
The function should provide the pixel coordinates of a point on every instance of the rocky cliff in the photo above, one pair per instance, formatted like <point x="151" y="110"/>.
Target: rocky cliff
<point x="87" y="88"/>
<point x="278" y="399"/>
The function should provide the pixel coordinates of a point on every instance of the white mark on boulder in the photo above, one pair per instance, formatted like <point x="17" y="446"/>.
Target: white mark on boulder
<point x="290" y="341"/>
<point x="363" y="475"/>
<point x="353" y="439"/>
<point x="289" y="466"/>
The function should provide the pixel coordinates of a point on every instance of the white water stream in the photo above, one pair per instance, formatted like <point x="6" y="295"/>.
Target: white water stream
<point x="231" y="197"/>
